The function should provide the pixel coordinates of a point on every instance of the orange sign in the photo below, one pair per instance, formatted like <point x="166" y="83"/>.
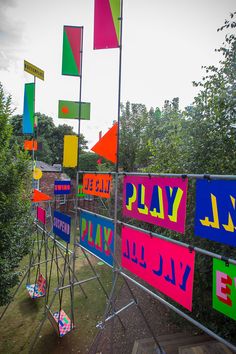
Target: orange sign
<point x="31" y="145"/>
<point x="97" y="184"/>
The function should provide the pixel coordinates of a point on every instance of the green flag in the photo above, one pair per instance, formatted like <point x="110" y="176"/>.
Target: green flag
<point x="74" y="110"/>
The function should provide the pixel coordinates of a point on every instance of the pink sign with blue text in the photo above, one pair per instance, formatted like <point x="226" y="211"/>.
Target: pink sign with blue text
<point x="166" y="266"/>
<point x="156" y="200"/>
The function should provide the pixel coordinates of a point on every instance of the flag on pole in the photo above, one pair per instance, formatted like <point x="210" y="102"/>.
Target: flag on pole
<point x="28" y="114"/>
<point x="70" y="153"/>
<point x="72" y="110"/>
<point x="106" y="24"/>
<point x="72" y="48"/>
<point x="31" y="145"/>
<point x="107" y="145"/>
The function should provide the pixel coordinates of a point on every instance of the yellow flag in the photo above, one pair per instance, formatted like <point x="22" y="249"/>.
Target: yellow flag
<point x="70" y="153"/>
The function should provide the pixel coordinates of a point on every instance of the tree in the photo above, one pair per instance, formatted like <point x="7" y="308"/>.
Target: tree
<point x="211" y="138"/>
<point x="52" y="137"/>
<point x="15" y="218"/>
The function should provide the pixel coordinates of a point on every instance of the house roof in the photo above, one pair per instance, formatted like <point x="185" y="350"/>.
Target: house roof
<point x="44" y="167"/>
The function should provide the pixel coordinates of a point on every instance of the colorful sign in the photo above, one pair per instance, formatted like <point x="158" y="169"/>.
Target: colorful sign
<point x="28" y="114"/>
<point x="70" y="152"/>
<point x="39" y="196"/>
<point x="166" y="266"/>
<point x="107" y="145"/>
<point x="97" y="236"/>
<point x="80" y="192"/>
<point x="156" y="200"/>
<point x="215" y="216"/>
<point x="37" y="173"/>
<point x="61" y="225"/>
<point x="106" y="24"/>
<point x="97" y="184"/>
<point x="31" y="145"/>
<point x="74" y="110"/>
<point x="41" y="215"/>
<point x="224" y="288"/>
<point x="33" y="70"/>
<point x="62" y="187"/>
<point x="72" y="49"/>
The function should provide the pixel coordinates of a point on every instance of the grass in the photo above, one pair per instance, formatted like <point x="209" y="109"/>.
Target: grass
<point x="19" y="325"/>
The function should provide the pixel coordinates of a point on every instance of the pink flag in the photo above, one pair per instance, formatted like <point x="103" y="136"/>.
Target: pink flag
<point x="106" y="24"/>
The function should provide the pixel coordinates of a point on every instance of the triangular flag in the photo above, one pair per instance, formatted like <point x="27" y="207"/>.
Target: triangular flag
<point x="39" y="196"/>
<point x="107" y="145"/>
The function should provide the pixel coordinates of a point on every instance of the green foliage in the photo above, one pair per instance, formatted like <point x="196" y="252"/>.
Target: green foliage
<point x="15" y="190"/>
<point x="198" y="140"/>
<point x="51" y="137"/>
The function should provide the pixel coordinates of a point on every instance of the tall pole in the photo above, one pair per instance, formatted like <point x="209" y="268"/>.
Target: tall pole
<point x="77" y="178"/>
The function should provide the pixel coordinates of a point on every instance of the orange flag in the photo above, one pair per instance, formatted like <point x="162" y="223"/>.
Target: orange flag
<point x="39" y="196"/>
<point x="31" y="145"/>
<point x="107" y="145"/>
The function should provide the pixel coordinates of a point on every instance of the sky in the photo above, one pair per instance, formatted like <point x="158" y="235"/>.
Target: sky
<point x="165" y="43"/>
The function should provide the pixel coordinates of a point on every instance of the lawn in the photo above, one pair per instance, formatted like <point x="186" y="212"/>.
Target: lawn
<point x="19" y="324"/>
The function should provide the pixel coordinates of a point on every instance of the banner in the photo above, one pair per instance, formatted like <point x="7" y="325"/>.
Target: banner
<point x="107" y="145"/>
<point x="62" y="187"/>
<point x="71" y="53"/>
<point x="97" y="236"/>
<point x="215" y="215"/>
<point x="73" y="110"/>
<point x="31" y="145"/>
<point x="61" y="225"/>
<point x="39" y="196"/>
<point x="28" y="114"/>
<point x="41" y="215"/>
<point x="70" y="152"/>
<point x="106" y="24"/>
<point x="224" y="288"/>
<point x="33" y="70"/>
<point x="156" y="200"/>
<point x="166" y="266"/>
<point x="97" y="184"/>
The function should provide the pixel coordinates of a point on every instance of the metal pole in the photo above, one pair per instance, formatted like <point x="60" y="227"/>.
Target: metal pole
<point x="179" y="312"/>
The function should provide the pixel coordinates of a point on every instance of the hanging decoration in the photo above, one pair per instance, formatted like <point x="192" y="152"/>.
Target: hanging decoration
<point x="39" y="196"/>
<point x="97" y="184"/>
<point x="31" y="145"/>
<point x="106" y="24"/>
<point x="70" y="153"/>
<point x="164" y="265"/>
<point x="71" y="54"/>
<point x="215" y="216"/>
<point x="62" y="187"/>
<point x="224" y="288"/>
<point x="97" y="236"/>
<point x="73" y="110"/>
<point x="61" y="225"/>
<point x="41" y="215"/>
<point x="156" y="200"/>
<point x="107" y="145"/>
<point x="37" y="173"/>
<point x="80" y="192"/>
<point x="28" y="114"/>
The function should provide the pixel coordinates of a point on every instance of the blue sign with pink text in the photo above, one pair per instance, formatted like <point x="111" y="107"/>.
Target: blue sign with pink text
<point x="215" y="216"/>
<point x="62" y="187"/>
<point x="61" y="225"/>
<point x="97" y="236"/>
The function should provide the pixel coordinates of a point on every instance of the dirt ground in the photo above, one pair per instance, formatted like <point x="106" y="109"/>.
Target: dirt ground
<point x="114" y="339"/>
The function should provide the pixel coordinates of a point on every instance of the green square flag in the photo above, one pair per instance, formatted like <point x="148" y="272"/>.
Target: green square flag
<point x="73" y="110"/>
<point x="224" y="288"/>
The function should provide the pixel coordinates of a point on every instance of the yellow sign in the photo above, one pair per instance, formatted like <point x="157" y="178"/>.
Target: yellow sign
<point x="37" y="173"/>
<point x="33" y="70"/>
<point x="70" y="153"/>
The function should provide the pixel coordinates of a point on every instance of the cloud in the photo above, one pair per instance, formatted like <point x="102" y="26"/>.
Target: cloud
<point x="10" y="34"/>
